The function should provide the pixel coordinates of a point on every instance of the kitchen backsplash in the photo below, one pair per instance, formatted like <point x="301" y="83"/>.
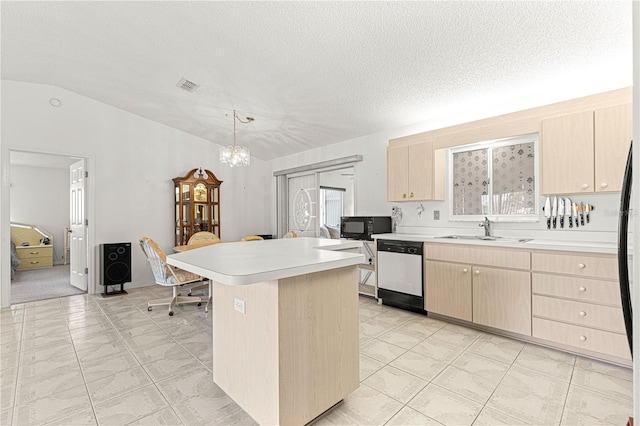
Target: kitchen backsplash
<point x="602" y="227"/>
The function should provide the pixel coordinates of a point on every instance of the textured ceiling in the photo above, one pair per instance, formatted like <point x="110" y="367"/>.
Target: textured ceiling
<point x="315" y="73"/>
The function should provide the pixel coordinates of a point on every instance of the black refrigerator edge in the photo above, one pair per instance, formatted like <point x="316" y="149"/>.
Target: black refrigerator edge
<point x="624" y="260"/>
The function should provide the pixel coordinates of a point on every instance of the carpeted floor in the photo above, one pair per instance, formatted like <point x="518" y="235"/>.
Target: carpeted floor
<point x="40" y="284"/>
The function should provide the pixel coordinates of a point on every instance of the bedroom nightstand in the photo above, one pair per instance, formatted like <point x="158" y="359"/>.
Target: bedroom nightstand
<point x="33" y="257"/>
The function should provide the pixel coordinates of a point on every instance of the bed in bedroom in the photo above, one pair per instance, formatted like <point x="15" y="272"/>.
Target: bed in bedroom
<point x="15" y="262"/>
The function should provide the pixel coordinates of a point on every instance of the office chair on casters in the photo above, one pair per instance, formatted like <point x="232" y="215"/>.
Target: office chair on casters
<point x="168" y="276"/>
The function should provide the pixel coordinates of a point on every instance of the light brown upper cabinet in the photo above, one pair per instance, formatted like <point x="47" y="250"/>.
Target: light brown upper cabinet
<point x="410" y="172"/>
<point x="585" y="152"/>
<point x="613" y="128"/>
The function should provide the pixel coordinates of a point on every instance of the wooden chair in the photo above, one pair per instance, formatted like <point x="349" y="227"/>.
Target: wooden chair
<point x="252" y="238"/>
<point x="290" y="234"/>
<point x="167" y="276"/>
<point x="203" y="237"/>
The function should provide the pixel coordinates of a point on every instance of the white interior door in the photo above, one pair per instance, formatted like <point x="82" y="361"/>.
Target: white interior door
<point x="303" y="205"/>
<point x="78" y="237"/>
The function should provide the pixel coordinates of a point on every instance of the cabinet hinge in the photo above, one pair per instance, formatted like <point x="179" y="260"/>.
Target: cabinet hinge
<point x="86" y="222"/>
<point x="86" y="271"/>
<point x="86" y="174"/>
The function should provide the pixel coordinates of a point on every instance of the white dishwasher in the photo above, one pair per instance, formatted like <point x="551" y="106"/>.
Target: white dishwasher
<point x="400" y="274"/>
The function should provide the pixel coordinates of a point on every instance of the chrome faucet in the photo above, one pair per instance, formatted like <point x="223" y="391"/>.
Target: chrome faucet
<point x="487" y="226"/>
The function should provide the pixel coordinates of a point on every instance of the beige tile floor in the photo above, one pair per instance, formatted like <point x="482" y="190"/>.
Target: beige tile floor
<point x="85" y="360"/>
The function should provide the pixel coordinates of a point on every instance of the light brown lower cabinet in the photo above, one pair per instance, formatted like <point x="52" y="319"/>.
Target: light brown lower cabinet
<point x="448" y="289"/>
<point x="607" y="318"/>
<point x="576" y="302"/>
<point x="579" y="337"/>
<point x="473" y="284"/>
<point x="502" y="299"/>
<point x="569" y="300"/>
<point x="494" y="297"/>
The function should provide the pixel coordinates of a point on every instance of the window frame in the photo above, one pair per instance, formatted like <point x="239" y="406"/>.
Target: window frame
<point x="496" y="143"/>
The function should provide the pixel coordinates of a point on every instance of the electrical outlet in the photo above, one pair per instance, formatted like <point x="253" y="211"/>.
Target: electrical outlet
<point x="238" y="305"/>
<point x="436" y="215"/>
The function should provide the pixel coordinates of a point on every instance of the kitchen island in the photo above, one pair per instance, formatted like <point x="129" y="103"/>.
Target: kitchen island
<point x="285" y="323"/>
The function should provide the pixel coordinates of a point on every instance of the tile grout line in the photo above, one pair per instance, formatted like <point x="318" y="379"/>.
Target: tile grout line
<point x="432" y="379"/>
<point x="84" y="379"/>
<point x="20" y="354"/>
<point x="566" y="396"/>
<point x="130" y="351"/>
<point x="498" y="385"/>
<point x="154" y="382"/>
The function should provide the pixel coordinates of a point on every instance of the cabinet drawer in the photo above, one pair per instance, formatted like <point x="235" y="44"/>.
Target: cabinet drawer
<point x="579" y="313"/>
<point x="583" y="289"/>
<point x="33" y="252"/>
<point x="605" y="342"/>
<point x="486" y="256"/>
<point x="576" y="264"/>
<point x="36" y="262"/>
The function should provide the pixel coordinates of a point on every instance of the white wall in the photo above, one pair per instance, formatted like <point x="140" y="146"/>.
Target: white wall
<point x="370" y="174"/>
<point x="40" y="196"/>
<point x="134" y="161"/>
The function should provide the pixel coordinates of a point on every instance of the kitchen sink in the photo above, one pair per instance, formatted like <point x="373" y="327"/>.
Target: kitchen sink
<point x="486" y="238"/>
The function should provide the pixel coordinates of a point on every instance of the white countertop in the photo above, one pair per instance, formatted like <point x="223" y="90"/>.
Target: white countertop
<point x="249" y="262"/>
<point x="534" y="244"/>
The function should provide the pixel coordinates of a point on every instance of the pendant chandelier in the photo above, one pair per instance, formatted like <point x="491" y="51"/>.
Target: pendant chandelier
<point x="236" y="155"/>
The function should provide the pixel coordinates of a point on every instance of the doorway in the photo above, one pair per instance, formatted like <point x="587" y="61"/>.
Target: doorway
<point x="317" y="199"/>
<point x="40" y="207"/>
<point x="299" y="192"/>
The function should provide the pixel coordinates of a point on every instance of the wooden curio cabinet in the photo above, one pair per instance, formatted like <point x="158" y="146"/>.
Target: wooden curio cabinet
<point x="197" y="204"/>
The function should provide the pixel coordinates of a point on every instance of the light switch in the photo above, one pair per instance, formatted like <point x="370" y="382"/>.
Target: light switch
<point x="238" y="305"/>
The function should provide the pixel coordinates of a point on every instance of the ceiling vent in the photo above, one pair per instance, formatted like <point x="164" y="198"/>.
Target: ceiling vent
<point x="187" y="85"/>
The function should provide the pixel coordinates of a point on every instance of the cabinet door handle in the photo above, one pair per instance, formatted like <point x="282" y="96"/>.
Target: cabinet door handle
<point x="581" y="265"/>
<point x="477" y="272"/>
<point x="404" y="195"/>
<point x="411" y="195"/>
<point x="34" y="252"/>
<point x="465" y="270"/>
<point x="583" y="338"/>
<point x="34" y="262"/>
<point x="582" y="289"/>
<point x="583" y="314"/>
<point x="585" y="186"/>
<point x="604" y="185"/>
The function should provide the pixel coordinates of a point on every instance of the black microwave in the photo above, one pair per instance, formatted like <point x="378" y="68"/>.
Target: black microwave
<point x="363" y="227"/>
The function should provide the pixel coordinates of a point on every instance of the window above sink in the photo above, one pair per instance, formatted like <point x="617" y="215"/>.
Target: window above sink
<point x="495" y="178"/>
